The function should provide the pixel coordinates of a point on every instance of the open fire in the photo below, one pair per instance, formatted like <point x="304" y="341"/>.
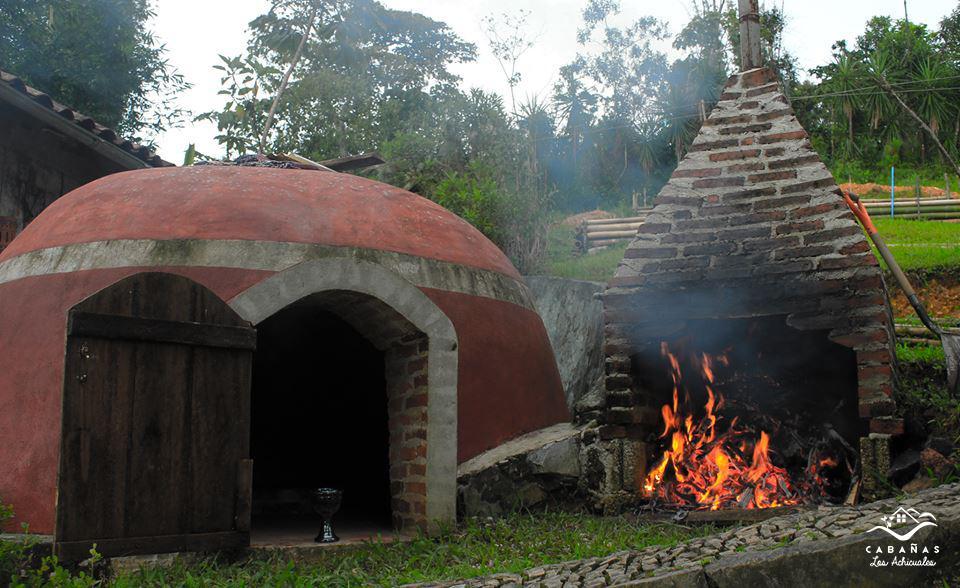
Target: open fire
<point x="712" y="462"/>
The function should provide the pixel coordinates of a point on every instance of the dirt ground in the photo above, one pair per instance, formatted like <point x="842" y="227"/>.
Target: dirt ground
<point x="902" y="191"/>
<point x="941" y="296"/>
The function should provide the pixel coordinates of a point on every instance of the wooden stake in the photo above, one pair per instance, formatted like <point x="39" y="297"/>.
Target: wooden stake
<point x="750" y="35"/>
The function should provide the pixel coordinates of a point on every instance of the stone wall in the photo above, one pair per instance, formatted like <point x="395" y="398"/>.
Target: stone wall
<point x="573" y="315"/>
<point x="534" y="470"/>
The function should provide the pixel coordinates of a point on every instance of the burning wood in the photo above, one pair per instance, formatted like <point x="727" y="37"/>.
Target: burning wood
<point x="712" y="464"/>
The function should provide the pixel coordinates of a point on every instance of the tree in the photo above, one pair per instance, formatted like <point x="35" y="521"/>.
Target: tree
<point x="359" y="58"/>
<point x="95" y="55"/>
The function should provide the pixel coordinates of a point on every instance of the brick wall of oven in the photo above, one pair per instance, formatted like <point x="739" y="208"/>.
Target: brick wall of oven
<point x="406" y="374"/>
<point x="751" y="224"/>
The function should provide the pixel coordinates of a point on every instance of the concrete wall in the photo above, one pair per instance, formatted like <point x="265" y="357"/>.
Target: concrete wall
<point x="573" y="317"/>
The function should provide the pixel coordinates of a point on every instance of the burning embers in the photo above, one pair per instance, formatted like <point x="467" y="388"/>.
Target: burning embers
<point x="710" y="462"/>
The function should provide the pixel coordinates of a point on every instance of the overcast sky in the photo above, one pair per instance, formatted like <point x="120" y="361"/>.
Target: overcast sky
<point x="195" y="31"/>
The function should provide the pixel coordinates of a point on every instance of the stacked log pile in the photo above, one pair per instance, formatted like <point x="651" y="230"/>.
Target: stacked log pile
<point x="596" y="234"/>
<point x="924" y="208"/>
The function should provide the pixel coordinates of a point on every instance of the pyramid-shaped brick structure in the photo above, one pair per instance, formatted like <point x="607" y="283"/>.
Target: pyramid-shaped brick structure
<point x="751" y="224"/>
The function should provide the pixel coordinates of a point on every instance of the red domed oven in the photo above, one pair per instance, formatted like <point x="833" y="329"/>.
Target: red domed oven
<point x="185" y="350"/>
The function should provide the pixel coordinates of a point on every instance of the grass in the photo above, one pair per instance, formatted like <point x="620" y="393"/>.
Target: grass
<point x="511" y="544"/>
<point x="920" y="245"/>
<point x="922" y="395"/>
<point x="563" y="262"/>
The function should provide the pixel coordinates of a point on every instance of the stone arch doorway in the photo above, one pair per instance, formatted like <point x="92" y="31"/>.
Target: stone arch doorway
<point x="387" y="320"/>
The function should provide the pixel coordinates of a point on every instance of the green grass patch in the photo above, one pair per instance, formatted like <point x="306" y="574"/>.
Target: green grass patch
<point x="511" y="544"/>
<point x="562" y="261"/>
<point x="922" y="395"/>
<point x="920" y="245"/>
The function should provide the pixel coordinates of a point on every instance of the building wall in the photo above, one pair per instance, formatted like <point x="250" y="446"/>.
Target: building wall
<point x="37" y="166"/>
<point x="507" y="382"/>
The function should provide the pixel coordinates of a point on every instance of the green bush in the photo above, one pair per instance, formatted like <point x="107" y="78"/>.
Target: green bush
<point x="513" y="219"/>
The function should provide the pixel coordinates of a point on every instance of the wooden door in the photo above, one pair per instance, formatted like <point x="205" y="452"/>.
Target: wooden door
<point x="156" y="401"/>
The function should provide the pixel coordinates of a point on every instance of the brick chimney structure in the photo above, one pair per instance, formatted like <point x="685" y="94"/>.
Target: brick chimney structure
<point x="750" y="227"/>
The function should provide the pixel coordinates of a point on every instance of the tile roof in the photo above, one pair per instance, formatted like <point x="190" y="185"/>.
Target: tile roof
<point x="142" y="152"/>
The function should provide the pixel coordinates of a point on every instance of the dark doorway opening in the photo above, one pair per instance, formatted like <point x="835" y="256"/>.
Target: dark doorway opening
<point x="318" y="419"/>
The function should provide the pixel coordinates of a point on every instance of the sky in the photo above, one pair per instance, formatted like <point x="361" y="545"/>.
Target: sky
<point x="196" y="31"/>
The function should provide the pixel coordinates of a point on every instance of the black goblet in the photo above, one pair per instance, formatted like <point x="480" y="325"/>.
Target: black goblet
<point x="326" y="502"/>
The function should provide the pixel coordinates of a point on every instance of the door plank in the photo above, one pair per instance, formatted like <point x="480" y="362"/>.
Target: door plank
<point x="156" y="406"/>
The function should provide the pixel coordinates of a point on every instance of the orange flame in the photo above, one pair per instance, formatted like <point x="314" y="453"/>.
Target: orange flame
<point x="706" y="468"/>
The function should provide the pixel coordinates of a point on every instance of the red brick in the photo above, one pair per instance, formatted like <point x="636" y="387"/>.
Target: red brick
<point x="417" y="469"/>
<point x="773" y="176"/>
<point x="739" y="154"/>
<point x="774" y="114"/>
<point x="727" y="120"/>
<point x="757" y="77"/>
<point x="743" y="129"/>
<point x="811" y="210"/>
<point x="710" y="249"/>
<point x="770" y="244"/>
<point x="795" y="161"/>
<point x="829" y="263"/>
<point x="870" y="356"/>
<point x="748" y="141"/>
<point x="759" y="217"/>
<point x="787" y="136"/>
<point x="416" y="400"/>
<point x="415" y="488"/>
<point x="762" y="90"/>
<point x="711" y="145"/>
<point x="751" y="193"/>
<point x="718" y="182"/>
<point x="650" y="252"/>
<point x="774" y="152"/>
<point x="696" y="173"/>
<point x="730" y="95"/>
<point x="799" y="252"/>
<point x="861" y="247"/>
<point x="725" y="209"/>
<point x="742" y="167"/>
<point x="416" y="365"/>
<point x="813" y="184"/>
<point x="865" y="372"/>
<point x="833" y="234"/>
<point x="886" y="425"/>
<point x="748" y="105"/>
<point x="800" y="227"/>
<point x="785" y="202"/>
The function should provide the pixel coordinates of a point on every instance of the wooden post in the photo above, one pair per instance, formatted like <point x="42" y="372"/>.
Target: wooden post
<point x="917" y="194"/>
<point x="749" y="34"/>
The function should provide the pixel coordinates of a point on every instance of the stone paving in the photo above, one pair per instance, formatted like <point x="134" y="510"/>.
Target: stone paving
<point x="808" y="526"/>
